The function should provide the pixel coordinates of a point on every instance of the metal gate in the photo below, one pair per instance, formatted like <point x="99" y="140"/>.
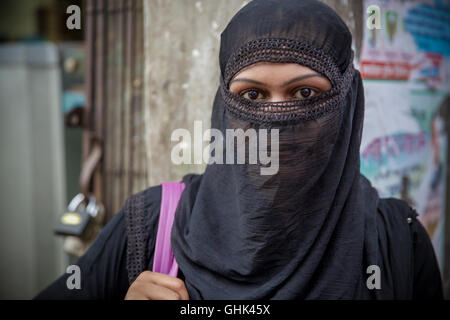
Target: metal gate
<point x="114" y="121"/>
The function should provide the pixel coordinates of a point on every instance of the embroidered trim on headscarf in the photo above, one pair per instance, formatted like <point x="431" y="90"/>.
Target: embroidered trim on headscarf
<point x="285" y="112"/>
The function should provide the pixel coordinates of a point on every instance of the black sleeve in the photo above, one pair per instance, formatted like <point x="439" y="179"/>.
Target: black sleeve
<point x="427" y="277"/>
<point x="103" y="268"/>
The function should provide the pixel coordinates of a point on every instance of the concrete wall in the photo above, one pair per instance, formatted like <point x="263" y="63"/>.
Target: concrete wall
<point x="181" y="73"/>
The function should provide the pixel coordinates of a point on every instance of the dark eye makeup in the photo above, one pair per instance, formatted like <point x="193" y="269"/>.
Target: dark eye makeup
<point x="303" y="92"/>
<point x="253" y="94"/>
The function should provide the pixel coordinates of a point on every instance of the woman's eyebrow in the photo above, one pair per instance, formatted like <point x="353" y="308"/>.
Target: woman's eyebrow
<point x="302" y="78"/>
<point x="247" y="80"/>
<point x="284" y="84"/>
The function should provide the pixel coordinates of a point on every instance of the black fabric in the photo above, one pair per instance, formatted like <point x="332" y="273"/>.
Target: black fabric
<point x="139" y="226"/>
<point x="304" y="20"/>
<point x="105" y="276"/>
<point x="309" y="231"/>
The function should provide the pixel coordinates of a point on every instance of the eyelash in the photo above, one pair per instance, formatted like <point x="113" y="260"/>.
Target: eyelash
<point x="264" y="93"/>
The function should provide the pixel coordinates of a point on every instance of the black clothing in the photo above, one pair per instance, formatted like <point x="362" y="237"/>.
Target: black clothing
<point x="104" y="274"/>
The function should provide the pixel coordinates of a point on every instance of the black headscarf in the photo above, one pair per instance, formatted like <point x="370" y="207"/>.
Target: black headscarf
<point x="308" y="231"/>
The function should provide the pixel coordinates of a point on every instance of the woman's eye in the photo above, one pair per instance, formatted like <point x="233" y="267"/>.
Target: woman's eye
<point x="252" y="95"/>
<point x="304" y="93"/>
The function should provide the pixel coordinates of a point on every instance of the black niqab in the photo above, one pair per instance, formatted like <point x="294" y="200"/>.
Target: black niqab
<point x="308" y="231"/>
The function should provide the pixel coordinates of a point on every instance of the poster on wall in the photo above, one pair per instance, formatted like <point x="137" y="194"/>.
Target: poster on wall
<point x="405" y="62"/>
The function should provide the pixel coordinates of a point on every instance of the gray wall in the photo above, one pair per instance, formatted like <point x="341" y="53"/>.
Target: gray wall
<point x="181" y="73"/>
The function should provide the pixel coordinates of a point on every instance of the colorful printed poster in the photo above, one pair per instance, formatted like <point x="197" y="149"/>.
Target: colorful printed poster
<point x="407" y="40"/>
<point x="405" y="66"/>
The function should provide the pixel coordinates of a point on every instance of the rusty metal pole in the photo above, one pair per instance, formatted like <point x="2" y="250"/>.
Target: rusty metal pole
<point x="90" y="74"/>
<point x="90" y="96"/>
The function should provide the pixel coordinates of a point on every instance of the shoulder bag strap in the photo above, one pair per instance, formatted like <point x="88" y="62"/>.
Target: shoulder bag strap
<point x="164" y="260"/>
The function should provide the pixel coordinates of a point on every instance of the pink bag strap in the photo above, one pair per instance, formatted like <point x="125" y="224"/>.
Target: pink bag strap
<point x="164" y="260"/>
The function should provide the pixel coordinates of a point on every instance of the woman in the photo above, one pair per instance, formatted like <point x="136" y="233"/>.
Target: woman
<point x="314" y="228"/>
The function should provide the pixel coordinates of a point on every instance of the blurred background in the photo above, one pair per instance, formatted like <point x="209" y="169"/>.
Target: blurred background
<point x="90" y="92"/>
